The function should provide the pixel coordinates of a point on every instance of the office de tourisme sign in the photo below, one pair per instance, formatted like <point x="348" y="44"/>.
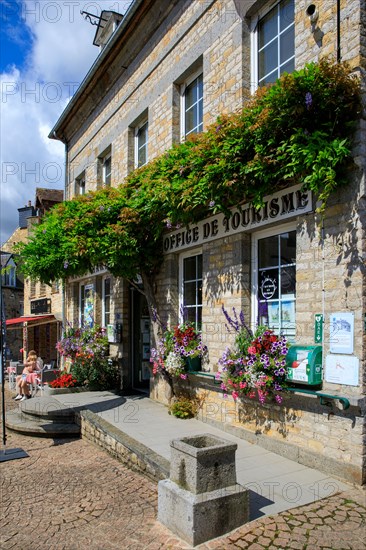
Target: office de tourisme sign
<point x="278" y="207"/>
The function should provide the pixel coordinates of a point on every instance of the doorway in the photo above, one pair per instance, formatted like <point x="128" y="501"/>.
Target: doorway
<point x="140" y="340"/>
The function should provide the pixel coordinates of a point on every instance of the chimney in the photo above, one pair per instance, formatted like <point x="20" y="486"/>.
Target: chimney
<point x="24" y="213"/>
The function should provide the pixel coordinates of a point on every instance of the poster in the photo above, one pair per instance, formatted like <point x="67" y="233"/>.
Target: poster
<point x="110" y="334"/>
<point x="288" y="312"/>
<point x="342" y="369"/>
<point x="89" y="306"/>
<point x="273" y="313"/>
<point x="341" y="335"/>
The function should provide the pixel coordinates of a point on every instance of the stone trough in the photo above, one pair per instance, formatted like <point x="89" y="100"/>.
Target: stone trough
<point x="201" y="499"/>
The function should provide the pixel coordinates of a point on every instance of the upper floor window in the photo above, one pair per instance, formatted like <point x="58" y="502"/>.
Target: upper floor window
<point x="105" y="167"/>
<point x="9" y="276"/>
<point x="80" y="185"/>
<point x="276" y="42"/>
<point x="107" y="170"/>
<point x="192" y="106"/>
<point x="141" y="144"/>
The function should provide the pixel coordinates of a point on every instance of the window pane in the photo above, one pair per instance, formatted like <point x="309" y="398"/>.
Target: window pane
<point x="287" y="44"/>
<point x="191" y="120"/>
<point x="193" y="106"/>
<point x="287" y="11"/>
<point x="288" y="281"/>
<point x="288" y="247"/>
<point x="268" y="59"/>
<point x="189" y="269"/>
<point x="269" y="79"/>
<point x="268" y="252"/>
<point x="288" y="67"/>
<point x="142" y="157"/>
<point x="189" y="294"/>
<point x="191" y="314"/>
<point x="267" y="28"/>
<point x="268" y="284"/>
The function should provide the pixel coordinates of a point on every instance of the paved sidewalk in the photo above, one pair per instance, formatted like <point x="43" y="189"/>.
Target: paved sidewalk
<point x="275" y="483"/>
<point x="70" y="495"/>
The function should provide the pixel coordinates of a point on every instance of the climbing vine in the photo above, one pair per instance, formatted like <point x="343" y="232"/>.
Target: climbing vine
<point x="296" y="131"/>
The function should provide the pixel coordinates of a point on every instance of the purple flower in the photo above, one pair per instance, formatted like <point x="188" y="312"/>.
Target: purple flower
<point x="212" y="204"/>
<point x="308" y="100"/>
<point x="101" y="208"/>
<point x="169" y="224"/>
<point x="66" y="265"/>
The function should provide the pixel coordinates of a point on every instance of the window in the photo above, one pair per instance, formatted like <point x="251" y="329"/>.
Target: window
<point x="276" y="42"/>
<point x="106" y="302"/>
<point x="276" y="282"/>
<point x="9" y="276"/>
<point x="105" y="167"/>
<point x="141" y="143"/>
<point x="80" y="185"/>
<point x="192" y="106"/>
<point x="192" y="289"/>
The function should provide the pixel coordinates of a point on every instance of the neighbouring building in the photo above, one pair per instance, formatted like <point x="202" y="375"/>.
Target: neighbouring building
<point x="38" y="323"/>
<point x="168" y="69"/>
<point x="12" y="288"/>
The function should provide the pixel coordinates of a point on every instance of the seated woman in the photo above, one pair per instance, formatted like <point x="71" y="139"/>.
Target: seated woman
<point x="31" y="366"/>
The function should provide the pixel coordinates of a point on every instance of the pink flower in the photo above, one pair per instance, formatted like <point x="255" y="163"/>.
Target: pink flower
<point x="235" y="395"/>
<point x="252" y="350"/>
<point x="243" y="385"/>
<point x="184" y="376"/>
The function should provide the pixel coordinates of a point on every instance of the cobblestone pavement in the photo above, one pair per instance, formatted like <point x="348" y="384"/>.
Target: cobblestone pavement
<point x="68" y="494"/>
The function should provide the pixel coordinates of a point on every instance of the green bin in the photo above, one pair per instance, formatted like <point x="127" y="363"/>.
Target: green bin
<point x="304" y="365"/>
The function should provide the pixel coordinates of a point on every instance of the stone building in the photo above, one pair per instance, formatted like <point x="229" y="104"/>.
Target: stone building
<point x="36" y="323"/>
<point x="169" y="69"/>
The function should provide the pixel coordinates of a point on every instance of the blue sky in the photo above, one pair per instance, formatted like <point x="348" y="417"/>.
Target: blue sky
<point x="46" y="50"/>
<point x="15" y="37"/>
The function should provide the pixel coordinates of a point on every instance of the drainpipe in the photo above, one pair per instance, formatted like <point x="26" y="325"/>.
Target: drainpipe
<point x="338" y="31"/>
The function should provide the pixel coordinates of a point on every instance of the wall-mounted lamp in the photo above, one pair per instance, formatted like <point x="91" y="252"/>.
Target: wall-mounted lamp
<point x="312" y="13"/>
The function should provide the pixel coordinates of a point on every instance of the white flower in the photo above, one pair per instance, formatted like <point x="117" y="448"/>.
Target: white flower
<point x="174" y="363"/>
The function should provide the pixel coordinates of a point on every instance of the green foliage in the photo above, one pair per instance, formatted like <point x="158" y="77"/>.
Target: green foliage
<point x="88" y="349"/>
<point x="183" y="408"/>
<point x="296" y="131"/>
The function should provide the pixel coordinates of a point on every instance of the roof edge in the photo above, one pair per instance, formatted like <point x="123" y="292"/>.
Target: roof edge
<point x="127" y="17"/>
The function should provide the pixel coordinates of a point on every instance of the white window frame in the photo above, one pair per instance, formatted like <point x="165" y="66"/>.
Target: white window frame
<point x="137" y="146"/>
<point x="80" y="189"/>
<point x="183" y="88"/>
<point x="258" y="235"/>
<point x="104" y="295"/>
<point x="182" y="257"/>
<point x="254" y="41"/>
<point x="105" y="174"/>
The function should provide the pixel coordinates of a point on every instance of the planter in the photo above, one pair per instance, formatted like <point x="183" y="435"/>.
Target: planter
<point x="193" y="364"/>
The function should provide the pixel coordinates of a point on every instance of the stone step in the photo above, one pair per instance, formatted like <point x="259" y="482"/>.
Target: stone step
<point x="23" y="423"/>
<point x="47" y="408"/>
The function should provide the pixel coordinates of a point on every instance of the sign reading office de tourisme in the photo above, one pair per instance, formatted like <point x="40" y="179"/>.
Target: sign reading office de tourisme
<point x="278" y="207"/>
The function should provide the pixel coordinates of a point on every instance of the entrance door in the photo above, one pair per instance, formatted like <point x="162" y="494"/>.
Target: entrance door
<point x="140" y="344"/>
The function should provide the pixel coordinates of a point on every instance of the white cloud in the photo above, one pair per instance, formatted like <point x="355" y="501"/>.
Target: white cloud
<point x="34" y="95"/>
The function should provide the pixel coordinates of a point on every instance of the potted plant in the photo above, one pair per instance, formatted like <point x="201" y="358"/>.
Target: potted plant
<point x="180" y="350"/>
<point x="256" y="366"/>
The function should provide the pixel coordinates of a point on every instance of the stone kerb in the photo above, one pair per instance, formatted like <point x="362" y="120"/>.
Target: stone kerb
<point x="202" y="500"/>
